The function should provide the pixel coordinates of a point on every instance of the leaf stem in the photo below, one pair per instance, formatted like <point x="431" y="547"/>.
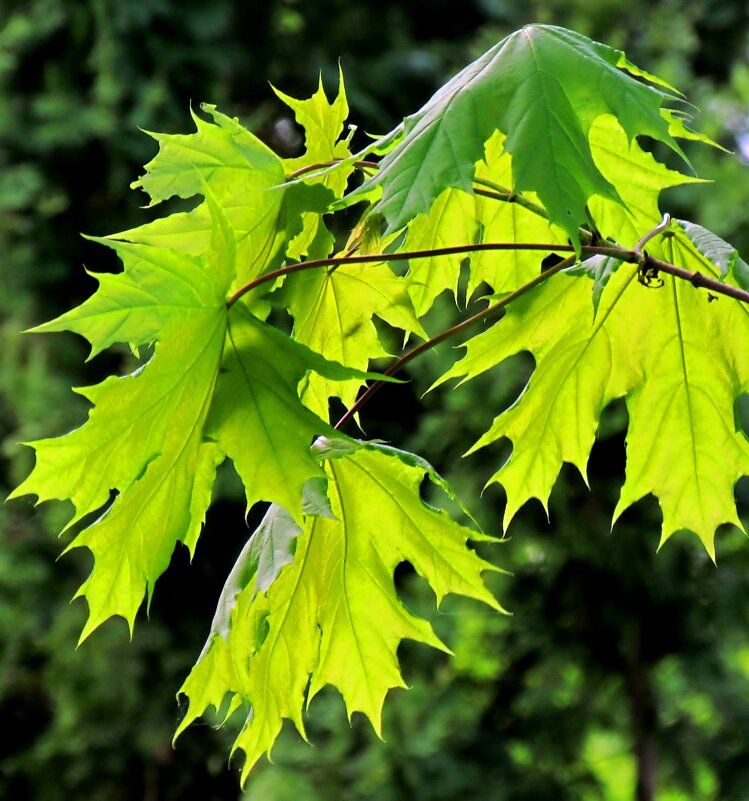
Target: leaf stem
<point x="398" y="364"/>
<point x="659" y="229"/>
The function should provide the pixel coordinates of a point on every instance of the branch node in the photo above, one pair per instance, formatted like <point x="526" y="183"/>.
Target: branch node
<point x="647" y="272"/>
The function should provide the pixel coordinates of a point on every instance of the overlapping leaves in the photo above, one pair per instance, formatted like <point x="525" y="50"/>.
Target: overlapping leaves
<point x="216" y="381"/>
<point x="332" y="616"/>
<point x="536" y="142"/>
<point x="542" y="87"/>
<point x="670" y="352"/>
<point x="218" y="384"/>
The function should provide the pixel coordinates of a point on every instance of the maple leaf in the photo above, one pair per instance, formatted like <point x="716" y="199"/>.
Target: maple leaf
<point x="670" y="353"/>
<point x="332" y="616"/>
<point x="219" y="384"/>
<point x="333" y="312"/>
<point x="257" y="418"/>
<point x="717" y="251"/>
<point x="542" y="87"/>
<point x="323" y="124"/>
<point x="639" y="181"/>
<point x="510" y="221"/>
<point x="451" y="221"/>
<point x="143" y="436"/>
<point x="245" y="177"/>
<point x="684" y="443"/>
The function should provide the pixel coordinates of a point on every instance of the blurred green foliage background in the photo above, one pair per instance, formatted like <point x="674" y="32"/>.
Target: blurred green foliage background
<point x="622" y="674"/>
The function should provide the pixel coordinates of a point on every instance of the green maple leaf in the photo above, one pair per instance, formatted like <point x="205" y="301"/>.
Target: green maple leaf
<point x="684" y="443"/>
<point x="507" y="222"/>
<point x="639" y="180"/>
<point x="451" y="221"/>
<point x="547" y="120"/>
<point x="332" y="616"/>
<point x="143" y="437"/>
<point x="245" y="177"/>
<point x="323" y="124"/>
<point x="669" y="352"/>
<point x="257" y="418"/>
<point x="219" y="384"/>
<point x="543" y="87"/>
<point x="333" y="312"/>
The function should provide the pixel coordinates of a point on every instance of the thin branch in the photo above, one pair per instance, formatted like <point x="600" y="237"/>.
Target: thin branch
<point x="590" y="250"/>
<point x="498" y="192"/>
<point x="398" y="365"/>
<point x="325" y="164"/>
<point x="697" y="279"/>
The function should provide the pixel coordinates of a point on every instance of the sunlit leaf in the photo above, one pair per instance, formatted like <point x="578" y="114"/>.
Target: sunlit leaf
<point x="333" y="615"/>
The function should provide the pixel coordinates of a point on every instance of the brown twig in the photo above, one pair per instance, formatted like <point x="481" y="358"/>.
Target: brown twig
<point x="618" y="253"/>
<point x="697" y="279"/>
<point x="325" y="164"/>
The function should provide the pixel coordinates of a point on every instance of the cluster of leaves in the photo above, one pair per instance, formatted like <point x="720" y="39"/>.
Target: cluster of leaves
<point x="535" y="144"/>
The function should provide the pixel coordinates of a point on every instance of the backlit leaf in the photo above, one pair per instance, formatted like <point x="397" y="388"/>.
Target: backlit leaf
<point x="333" y="615"/>
<point x="333" y="312"/>
<point x="674" y="356"/>
<point x="323" y="124"/>
<point x="218" y="384"/>
<point x="245" y="177"/>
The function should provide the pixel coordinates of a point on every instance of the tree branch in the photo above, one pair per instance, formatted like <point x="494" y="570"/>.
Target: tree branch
<point x="697" y="279"/>
<point x="618" y="253"/>
<point x="498" y="192"/>
<point x="324" y="164"/>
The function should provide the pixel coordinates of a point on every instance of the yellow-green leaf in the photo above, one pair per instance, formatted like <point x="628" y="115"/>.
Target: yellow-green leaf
<point x="677" y="359"/>
<point x="333" y="615"/>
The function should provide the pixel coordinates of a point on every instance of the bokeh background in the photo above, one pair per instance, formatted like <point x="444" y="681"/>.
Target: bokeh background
<point x="623" y="674"/>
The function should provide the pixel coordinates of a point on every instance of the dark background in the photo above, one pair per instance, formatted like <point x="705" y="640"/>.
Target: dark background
<point x="618" y="661"/>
